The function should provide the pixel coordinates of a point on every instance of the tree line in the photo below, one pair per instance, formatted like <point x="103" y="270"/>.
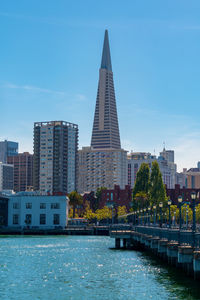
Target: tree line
<point x="149" y="189"/>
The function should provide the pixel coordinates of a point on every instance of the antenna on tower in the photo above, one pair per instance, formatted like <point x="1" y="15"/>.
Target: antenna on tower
<point x="163" y="146"/>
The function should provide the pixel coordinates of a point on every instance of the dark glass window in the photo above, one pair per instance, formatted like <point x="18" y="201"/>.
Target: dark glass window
<point x="15" y="219"/>
<point x="56" y="219"/>
<point x="42" y="219"/>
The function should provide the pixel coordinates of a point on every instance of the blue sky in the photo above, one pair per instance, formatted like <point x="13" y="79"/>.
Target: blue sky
<point x="50" y="53"/>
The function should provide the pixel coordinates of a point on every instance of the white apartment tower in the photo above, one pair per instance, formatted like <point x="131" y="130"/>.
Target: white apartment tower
<point x="55" y="157"/>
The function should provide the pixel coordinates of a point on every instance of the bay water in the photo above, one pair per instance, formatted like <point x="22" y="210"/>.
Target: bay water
<point x="85" y="267"/>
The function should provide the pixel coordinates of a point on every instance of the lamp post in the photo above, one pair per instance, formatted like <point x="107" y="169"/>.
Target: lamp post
<point x="144" y="215"/>
<point x="169" y="205"/>
<point x="193" y="196"/>
<point x="187" y="218"/>
<point x="180" y="199"/>
<point x="149" y="209"/>
<point x="141" y="211"/>
<point x="161" y="216"/>
<point x="154" y="211"/>
<point x="138" y="217"/>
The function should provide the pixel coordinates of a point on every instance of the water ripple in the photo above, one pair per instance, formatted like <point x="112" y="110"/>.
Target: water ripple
<point x="70" y="267"/>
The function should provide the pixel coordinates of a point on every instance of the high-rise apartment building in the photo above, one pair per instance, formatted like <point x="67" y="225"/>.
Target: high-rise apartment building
<point x="23" y="171"/>
<point x="104" y="163"/>
<point x="101" y="168"/>
<point x="6" y="177"/>
<point x="7" y="148"/>
<point x="55" y="157"/>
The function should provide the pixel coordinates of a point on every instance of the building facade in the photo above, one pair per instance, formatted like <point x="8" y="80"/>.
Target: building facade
<point x="104" y="162"/>
<point x="3" y="211"/>
<point x="55" y="157"/>
<point x="167" y="168"/>
<point x="189" y="178"/>
<point x="7" y="148"/>
<point x="6" y="177"/>
<point x="101" y="168"/>
<point x="120" y="197"/>
<point x="23" y="171"/>
<point x="117" y="197"/>
<point x="37" y="211"/>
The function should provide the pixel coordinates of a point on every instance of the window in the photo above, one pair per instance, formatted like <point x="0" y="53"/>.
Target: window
<point x="15" y="205"/>
<point x="55" y="205"/>
<point x="42" y="205"/>
<point x="42" y="219"/>
<point x="28" y="219"/>
<point x="56" y="219"/>
<point x="15" y="219"/>
<point x="28" y="205"/>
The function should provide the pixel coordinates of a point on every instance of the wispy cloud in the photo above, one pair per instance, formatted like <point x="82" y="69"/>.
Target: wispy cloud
<point x="81" y="97"/>
<point x="32" y="89"/>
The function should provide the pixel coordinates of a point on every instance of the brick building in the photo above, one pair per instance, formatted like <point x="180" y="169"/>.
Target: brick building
<point x="120" y="197"/>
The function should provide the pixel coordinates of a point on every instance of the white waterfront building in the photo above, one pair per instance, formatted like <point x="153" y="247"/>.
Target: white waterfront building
<point x="37" y="211"/>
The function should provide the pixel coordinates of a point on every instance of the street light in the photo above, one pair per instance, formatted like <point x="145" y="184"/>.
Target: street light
<point x="180" y="199"/>
<point x="186" y="218"/>
<point x="144" y="215"/>
<point x="193" y="196"/>
<point x="141" y="210"/>
<point x="154" y="210"/>
<point x="138" y="217"/>
<point x="149" y="209"/>
<point x="161" y="216"/>
<point x="169" y="202"/>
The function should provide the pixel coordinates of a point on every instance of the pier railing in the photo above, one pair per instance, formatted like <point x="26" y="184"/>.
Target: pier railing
<point x="181" y="236"/>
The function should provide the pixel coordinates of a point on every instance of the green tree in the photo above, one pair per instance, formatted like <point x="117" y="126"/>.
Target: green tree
<point x="157" y="191"/>
<point x="142" y="200"/>
<point x="98" y="197"/>
<point x="75" y="199"/>
<point x="141" y="186"/>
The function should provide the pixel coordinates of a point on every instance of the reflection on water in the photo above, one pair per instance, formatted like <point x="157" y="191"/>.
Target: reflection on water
<point x="184" y="287"/>
<point x="80" y="267"/>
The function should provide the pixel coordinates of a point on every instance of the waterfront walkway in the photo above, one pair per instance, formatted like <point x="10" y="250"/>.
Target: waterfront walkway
<point x="177" y="247"/>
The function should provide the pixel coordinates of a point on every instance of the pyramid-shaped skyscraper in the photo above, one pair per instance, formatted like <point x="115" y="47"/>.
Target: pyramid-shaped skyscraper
<point x="104" y="163"/>
<point x="105" y="133"/>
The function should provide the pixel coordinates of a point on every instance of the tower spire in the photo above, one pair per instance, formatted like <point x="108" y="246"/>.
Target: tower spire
<point x="106" y="59"/>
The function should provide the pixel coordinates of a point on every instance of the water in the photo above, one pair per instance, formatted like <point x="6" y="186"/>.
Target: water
<point x="81" y="267"/>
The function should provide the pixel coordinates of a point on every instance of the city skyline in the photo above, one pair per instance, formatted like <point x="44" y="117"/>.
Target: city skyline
<point x="52" y="57"/>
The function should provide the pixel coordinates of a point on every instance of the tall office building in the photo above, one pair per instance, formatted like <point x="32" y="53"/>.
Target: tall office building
<point x="55" y="157"/>
<point x="7" y="148"/>
<point x="23" y="171"/>
<point x="104" y="163"/>
<point x="105" y="133"/>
